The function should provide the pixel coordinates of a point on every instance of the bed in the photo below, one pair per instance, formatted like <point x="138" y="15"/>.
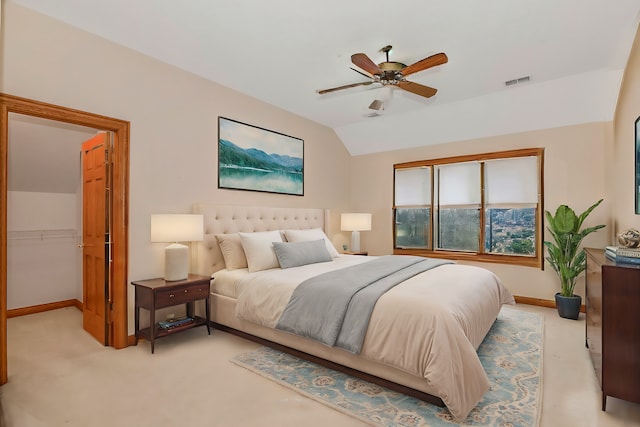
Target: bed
<point x="423" y="332"/>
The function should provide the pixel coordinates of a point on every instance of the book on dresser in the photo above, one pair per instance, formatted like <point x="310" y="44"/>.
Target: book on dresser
<point x="623" y="255"/>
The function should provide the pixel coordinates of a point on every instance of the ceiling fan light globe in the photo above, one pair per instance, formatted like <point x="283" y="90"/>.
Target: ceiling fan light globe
<point x="376" y="105"/>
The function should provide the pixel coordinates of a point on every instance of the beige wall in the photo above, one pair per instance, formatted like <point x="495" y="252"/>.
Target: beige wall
<point x="574" y="175"/>
<point x="582" y="164"/>
<point x="621" y="168"/>
<point x="173" y="117"/>
<point x="173" y="142"/>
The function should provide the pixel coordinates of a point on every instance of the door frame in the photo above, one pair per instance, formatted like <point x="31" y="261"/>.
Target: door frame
<point x="120" y="207"/>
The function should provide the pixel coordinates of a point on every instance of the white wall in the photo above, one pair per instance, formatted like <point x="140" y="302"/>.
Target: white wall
<point x="42" y="256"/>
<point x="41" y="211"/>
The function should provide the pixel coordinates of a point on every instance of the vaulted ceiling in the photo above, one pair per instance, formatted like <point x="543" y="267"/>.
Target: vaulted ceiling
<point x="283" y="51"/>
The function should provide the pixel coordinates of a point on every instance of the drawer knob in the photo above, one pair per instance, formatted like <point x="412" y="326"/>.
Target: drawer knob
<point x="185" y="291"/>
<point x="171" y="295"/>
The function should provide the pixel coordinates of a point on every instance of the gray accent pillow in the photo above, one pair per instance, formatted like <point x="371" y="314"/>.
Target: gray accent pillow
<point x="295" y="254"/>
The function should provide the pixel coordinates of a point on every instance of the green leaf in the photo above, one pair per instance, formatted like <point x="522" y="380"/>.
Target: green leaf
<point x="586" y="213"/>
<point x="565" y="220"/>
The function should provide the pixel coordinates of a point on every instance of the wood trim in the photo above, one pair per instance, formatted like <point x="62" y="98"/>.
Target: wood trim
<point x="120" y="208"/>
<point x="335" y="366"/>
<point x="131" y="340"/>
<point x="535" y="301"/>
<point x="541" y="302"/>
<point x="473" y="257"/>
<point x="472" y="157"/>
<point x="4" y="147"/>
<point x="40" y="308"/>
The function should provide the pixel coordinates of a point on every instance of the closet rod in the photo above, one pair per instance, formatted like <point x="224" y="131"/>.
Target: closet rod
<point x="41" y="234"/>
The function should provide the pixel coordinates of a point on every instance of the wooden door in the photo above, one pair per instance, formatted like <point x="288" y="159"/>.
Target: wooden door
<point x="118" y="337"/>
<point x="95" y="234"/>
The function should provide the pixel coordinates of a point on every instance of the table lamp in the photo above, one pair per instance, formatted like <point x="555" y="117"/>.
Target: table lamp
<point x="355" y="222"/>
<point x="176" y="228"/>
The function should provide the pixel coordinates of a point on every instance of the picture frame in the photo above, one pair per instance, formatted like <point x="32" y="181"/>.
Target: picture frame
<point x="637" y="166"/>
<point x="253" y="158"/>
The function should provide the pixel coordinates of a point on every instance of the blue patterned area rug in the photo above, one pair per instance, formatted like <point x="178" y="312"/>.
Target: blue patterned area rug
<point x="511" y="355"/>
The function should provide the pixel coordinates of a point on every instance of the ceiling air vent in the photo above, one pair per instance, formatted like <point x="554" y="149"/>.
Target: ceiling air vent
<point x="518" y="80"/>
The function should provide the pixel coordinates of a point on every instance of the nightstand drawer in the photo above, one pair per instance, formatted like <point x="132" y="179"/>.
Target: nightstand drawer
<point x="169" y="297"/>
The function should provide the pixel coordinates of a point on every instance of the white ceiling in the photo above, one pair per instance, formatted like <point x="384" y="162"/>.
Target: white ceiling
<point x="282" y="51"/>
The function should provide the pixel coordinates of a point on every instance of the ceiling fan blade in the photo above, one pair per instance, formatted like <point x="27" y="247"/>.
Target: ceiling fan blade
<point x="333" y="89"/>
<point x="360" y="72"/>
<point x="363" y="61"/>
<point x="418" y="89"/>
<point x="431" y="61"/>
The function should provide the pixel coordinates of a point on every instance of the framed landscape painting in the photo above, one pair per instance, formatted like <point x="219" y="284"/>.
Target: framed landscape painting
<point x="256" y="159"/>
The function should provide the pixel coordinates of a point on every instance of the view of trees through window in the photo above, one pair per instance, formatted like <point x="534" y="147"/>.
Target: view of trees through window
<point x="412" y="228"/>
<point x="459" y="229"/>
<point x="510" y="231"/>
<point x="507" y="230"/>
<point x="483" y="206"/>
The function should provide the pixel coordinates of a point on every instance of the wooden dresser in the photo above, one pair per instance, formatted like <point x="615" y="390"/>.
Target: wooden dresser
<point x="613" y="325"/>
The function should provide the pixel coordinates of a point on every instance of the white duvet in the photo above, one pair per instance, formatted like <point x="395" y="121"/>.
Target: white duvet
<point x="429" y="326"/>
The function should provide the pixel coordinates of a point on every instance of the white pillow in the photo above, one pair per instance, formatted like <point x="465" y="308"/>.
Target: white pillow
<point x="258" y="248"/>
<point x="232" y="252"/>
<point x="311" y="234"/>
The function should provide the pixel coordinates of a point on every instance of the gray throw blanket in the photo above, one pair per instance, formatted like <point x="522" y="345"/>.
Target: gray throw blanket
<point x="335" y="307"/>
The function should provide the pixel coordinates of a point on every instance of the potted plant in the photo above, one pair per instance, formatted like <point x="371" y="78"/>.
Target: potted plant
<point x="565" y="255"/>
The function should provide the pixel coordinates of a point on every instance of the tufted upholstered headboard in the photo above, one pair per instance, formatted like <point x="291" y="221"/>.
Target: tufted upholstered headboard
<point x="226" y="219"/>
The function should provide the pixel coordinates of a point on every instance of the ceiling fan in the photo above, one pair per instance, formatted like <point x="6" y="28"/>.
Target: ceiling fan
<point x="392" y="73"/>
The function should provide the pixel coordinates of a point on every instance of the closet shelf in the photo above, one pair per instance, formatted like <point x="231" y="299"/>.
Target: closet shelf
<point x="42" y="234"/>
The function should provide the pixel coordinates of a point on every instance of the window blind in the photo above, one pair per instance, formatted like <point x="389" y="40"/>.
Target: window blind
<point x="511" y="181"/>
<point x="459" y="184"/>
<point x="413" y="186"/>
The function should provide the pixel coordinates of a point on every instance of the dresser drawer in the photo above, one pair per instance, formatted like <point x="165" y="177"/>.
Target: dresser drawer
<point x="183" y="294"/>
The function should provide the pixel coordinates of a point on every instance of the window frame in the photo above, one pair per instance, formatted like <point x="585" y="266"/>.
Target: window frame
<point x="530" y="261"/>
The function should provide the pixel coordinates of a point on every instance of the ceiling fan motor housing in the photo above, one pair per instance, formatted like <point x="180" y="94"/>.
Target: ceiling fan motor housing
<point x="391" y="72"/>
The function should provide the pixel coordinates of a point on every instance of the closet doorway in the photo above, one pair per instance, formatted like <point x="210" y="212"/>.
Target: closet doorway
<point x="117" y="305"/>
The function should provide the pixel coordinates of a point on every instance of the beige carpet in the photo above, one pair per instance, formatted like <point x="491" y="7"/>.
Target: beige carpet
<point x="59" y="376"/>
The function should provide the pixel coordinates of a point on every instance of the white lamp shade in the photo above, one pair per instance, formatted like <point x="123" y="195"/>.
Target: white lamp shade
<point x="177" y="228"/>
<point x="355" y="222"/>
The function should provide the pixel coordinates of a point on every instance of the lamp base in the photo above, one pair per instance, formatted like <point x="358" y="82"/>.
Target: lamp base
<point x="355" y="241"/>
<point x="176" y="262"/>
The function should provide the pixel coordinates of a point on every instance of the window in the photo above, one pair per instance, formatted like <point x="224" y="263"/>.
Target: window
<point x="485" y="207"/>
<point x="459" y="205"/>
<point x="413" y="207"/>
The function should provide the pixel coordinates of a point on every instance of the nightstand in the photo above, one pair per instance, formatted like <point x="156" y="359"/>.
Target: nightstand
<point x="154" y="294"/>
<point x="365" y="253"/>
